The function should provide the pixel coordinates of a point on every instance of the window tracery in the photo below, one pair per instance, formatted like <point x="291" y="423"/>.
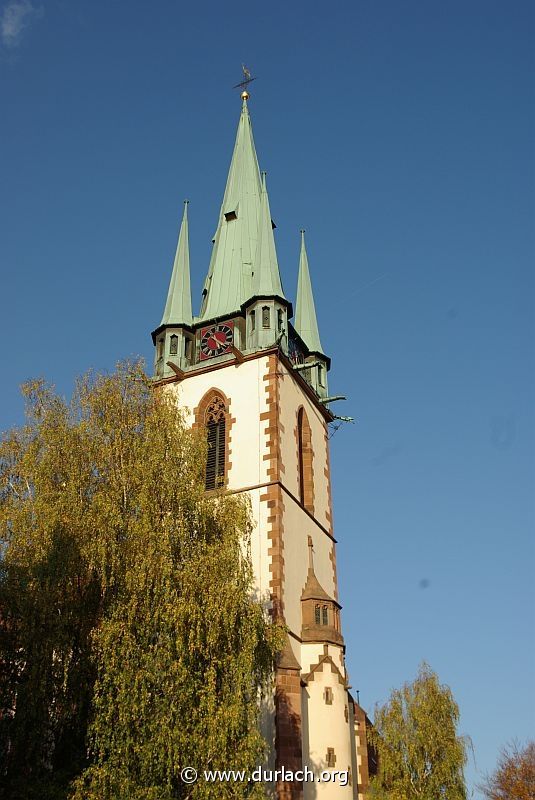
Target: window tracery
<point x="215" y="419"/>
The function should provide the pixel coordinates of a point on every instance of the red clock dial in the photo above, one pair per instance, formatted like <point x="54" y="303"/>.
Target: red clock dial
<point x="216" y="339"/>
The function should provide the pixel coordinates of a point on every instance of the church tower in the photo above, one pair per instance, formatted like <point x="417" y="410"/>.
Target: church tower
<point x="257" y="384"/>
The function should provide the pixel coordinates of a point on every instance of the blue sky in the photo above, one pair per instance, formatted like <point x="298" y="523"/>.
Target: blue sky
<point x="400" y="135"/>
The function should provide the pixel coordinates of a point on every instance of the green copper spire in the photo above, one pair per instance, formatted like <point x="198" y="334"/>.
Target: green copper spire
<point x="306" y="323"/>
<point x="266" y="278"/>
<point x="229" y="280"/>
<point x="178" y="306"/>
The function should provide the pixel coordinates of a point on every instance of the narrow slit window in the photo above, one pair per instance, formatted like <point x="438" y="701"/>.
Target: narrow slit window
<point x="252" y="317"/>
<point x="187" y="348"/>
<point x="280" y="319"/>
<point x="266" y="317"/>
<point x="324" y="616"/>
<point x="173" y="345"/>
<point x="331" y="757"/>
<point x="305" y="466"/>
<point x="317" y="615"/>
<point x="328" y="695"/>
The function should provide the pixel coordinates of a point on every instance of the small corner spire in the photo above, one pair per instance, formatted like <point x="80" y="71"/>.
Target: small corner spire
<point x="306" y="323"/>
<point x="310" y="554"/>
<point x="312" y="588"/>
<point x="266" y="280"/>
<point x="178" y="306"/>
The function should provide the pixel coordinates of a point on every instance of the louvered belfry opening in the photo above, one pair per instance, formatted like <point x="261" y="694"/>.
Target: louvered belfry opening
<point x="215" y="421"/>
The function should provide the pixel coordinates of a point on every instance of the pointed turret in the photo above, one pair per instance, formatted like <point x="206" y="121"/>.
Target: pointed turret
<point x="306" y="323"/>
<point x="320" y="612"/>
<point x="313" y="590"/>
<point x="266" y="277"/>
<point x="173" y="338"/>
<point x="229" y="280"/>
<point x="178" y="306"/>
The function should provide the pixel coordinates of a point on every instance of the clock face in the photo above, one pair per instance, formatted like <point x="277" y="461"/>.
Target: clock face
<point x="216" y="339"/>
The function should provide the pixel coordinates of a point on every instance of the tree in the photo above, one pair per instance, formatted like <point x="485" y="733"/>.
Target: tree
<point x="130" y="642"/>
<point x="420" y="755"/>
<point x="514" y="777"/>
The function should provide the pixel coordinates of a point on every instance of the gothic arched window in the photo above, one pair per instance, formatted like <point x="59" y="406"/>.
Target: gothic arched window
<point x="266" y="317"/>
<point x="304" y="451"/>
<point x="173" y="345"/>
<point x="317" y="615"/>
<point x="215" y="421"/>
<point x="324" y="616"/>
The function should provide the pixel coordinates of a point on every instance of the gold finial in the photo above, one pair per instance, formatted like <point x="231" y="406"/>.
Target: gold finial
<point x="245" y="95"/>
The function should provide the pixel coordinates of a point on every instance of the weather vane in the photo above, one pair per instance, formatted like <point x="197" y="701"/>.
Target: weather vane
<point x="247" y="79"/>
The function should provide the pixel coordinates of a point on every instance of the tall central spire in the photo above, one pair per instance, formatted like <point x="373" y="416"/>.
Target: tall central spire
<point x="229" y="280"/>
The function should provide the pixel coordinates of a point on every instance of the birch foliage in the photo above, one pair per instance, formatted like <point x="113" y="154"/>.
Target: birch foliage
<point x="420" y="754"/>
<point x="130" y="639"/>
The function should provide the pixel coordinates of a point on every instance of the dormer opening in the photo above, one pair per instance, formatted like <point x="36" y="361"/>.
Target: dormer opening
<point x="230" y="215"/>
